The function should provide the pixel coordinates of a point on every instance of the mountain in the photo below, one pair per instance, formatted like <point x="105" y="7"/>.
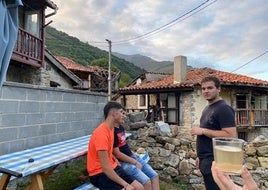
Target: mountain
<point x="147" y="63"/>
<point x="131" y="66"/>
<point x="61" y="44"/>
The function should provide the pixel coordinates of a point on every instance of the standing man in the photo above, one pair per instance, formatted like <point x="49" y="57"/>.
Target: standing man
<point x="102" y="167"/>
<point x="217" y="120"/>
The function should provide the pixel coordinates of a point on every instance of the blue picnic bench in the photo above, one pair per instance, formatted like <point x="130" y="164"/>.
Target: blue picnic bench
<point x="86" y="186"/>
<point x="40" y="162"/>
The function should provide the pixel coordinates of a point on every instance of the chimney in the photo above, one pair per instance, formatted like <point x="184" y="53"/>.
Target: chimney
<point x="180" y="68"/>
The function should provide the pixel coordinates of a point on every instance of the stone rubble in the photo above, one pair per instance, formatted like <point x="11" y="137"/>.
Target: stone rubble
<point x="173" y="152"/>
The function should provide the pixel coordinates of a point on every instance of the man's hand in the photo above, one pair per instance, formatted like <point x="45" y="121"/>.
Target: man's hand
<point x="197" y="131"/>
<point x="138" y="165"/>
<point x="128" y="187"/>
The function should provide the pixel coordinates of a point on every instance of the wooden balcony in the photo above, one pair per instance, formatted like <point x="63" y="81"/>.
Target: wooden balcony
<point x="28" y="49"/>
<point x="249" y="118"/>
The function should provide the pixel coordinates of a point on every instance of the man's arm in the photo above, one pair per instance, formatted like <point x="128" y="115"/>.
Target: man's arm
<point x="125" y="158"/>
<point x="224" y="132"/>
<point x="104" y="160"/>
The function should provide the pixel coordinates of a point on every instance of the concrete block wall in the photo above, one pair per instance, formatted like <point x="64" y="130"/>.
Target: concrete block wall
<point x="31" y="115"/>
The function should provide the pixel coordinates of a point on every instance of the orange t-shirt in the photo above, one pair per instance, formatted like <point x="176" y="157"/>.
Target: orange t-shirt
<point x="102" y="138"/>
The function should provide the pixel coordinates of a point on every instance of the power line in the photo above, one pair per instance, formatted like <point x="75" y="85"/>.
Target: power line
<point x="169" y="24"/>
<point x="165" y="26"/>
<point x="250" y="61"/>
<point x="193" y="13"/>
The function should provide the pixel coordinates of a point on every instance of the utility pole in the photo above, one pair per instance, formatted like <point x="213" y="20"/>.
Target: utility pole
<point x="109" y="69"/>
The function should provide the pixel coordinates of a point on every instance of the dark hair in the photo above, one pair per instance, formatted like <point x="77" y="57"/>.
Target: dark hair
<point x="111" y="105"/>
<point x="213" y="79"/>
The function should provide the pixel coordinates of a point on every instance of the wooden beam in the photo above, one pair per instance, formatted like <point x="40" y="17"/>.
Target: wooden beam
<point x="4" y="181"/>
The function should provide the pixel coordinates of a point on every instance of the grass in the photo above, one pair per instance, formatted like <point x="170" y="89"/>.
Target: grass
<point x="172" y="186"/>
<point x="71" y="175"/>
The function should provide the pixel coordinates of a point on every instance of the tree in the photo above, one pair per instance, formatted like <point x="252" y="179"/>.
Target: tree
<point x="104" y="63"/>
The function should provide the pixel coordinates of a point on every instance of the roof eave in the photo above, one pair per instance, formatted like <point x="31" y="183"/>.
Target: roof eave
<point x="155" y="91"/>
<point x="51" y="4"/>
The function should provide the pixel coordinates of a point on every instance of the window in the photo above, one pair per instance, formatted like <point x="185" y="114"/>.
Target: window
<point x="173" y="108"/>
<point x="32" y="23"/>
<point x="241" y="101"/>
<point x="142" y="101"/>
<point x="259" y="102"/>
<point x="242" y="135"/>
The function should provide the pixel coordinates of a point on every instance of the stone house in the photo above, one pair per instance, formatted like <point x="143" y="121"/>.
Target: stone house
<point x="93" y="78"/>
<point x="176" y="98"/>
<point x="32" y="63"/>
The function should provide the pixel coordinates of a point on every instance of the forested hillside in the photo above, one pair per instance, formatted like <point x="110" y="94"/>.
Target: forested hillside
<point x="148" y="63"/>
<point x="61" y="44"/>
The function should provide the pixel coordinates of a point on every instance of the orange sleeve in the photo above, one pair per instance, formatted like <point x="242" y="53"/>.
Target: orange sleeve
<point x="101" y="139"/>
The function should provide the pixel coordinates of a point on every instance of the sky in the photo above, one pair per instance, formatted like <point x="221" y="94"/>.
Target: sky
<point x="227" y="35"/>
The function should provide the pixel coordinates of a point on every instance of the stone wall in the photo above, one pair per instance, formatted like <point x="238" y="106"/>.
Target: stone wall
<point x="173" y="155"/>
<point x="38" y="76"/>
<point x="29" y="75"/>
<point x="32" y="116"/>
<point x="133" y="102"/>
<point x="53" y="74"/>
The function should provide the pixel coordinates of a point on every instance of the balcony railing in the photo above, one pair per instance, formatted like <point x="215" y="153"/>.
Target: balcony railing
<point x="251" y="118"/>
<point x="28" y="49"/>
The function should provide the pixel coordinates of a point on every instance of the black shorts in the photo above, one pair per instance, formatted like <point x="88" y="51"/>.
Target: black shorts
<point x="104" y="183"/>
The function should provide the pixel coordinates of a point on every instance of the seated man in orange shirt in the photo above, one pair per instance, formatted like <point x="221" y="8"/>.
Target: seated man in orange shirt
<point x="102" y="167"/>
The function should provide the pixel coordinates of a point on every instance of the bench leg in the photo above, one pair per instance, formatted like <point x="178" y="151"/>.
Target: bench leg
<point x="46" y="174"/>
<point x="4" y="181"/>
<point x="36" y="182"/>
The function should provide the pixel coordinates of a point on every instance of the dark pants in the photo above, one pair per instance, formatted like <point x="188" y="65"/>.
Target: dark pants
<point x="205" y="168"/>
<point x="104" y="183"/>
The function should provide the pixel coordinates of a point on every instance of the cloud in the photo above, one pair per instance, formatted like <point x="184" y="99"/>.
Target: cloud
<point x="223" y="36"/>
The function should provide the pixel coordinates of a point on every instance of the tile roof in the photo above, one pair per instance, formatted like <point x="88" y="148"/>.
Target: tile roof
<point x="73" y="66"/>
<point x="194" y="77"/>
<point x="60" y="66"/>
